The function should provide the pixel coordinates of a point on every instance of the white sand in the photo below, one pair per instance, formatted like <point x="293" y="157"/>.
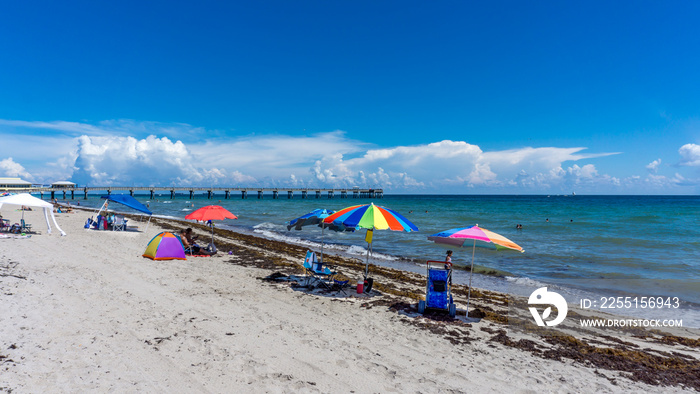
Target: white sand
<point x="87" y="313"/>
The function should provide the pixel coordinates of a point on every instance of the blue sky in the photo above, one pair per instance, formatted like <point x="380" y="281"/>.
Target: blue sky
<point x="416" y="97"/>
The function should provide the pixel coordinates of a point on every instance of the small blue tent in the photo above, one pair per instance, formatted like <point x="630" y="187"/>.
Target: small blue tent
<point x="129" y="201"/>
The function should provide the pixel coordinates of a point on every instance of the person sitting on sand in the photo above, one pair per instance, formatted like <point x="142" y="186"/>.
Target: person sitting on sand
<point x="187" y="245"/>
<point x="190" y="238"/>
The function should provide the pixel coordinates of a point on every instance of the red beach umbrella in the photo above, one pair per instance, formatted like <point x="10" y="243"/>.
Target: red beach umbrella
<point x="211" y="212"/>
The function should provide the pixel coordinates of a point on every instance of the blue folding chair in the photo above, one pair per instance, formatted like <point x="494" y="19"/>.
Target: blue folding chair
<point x="341" y="285"/>
<point x="316" y="272"/>
<point x="25" y="227"/>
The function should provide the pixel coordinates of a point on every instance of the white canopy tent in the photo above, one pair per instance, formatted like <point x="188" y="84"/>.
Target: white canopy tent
<point x="27" y="200"/>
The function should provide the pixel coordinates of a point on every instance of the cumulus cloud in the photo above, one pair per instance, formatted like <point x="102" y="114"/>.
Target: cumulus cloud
<point x="10" y="168"/>
<point x="327" y="159"/>
<point x="690" y="155"/>
<point x="653" y="167"/>
<point x="454" y="164"/>
<point x="149" y="161"/>
<point x="147" y="153"/>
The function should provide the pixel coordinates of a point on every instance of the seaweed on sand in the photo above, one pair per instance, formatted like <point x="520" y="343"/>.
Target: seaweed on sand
<point x="400" y="288"/>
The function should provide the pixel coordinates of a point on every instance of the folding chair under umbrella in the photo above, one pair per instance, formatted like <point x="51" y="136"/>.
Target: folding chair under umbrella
<point x="211" y="212"/>
<point x="481" y="237"/>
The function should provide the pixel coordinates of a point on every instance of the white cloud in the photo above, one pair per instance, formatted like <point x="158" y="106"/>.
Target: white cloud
<point x="125" y="152"/>
<point x="456" y="164"/>
<point x="653" y="167"/>
<point x="149" y="161"/>
<point x="690" y="155"/>
<point x="9" y="168"/>
<point x="109" y="128"/>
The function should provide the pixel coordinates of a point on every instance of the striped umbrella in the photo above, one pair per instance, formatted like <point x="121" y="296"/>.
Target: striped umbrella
<point x="480" y="237"/>
<point x="370" y="217"/>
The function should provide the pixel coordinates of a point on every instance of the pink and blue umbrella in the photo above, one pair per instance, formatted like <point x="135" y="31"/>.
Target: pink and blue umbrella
<point x="479" y="237"/>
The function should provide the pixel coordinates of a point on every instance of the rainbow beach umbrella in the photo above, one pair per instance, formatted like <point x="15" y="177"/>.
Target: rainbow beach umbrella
<point x="370" y="217"/>
<point x="165" y="246"/>
<point x="479" y="237"/>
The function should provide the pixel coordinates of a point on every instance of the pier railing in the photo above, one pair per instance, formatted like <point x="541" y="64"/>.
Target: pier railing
<point x="210" y="192"/>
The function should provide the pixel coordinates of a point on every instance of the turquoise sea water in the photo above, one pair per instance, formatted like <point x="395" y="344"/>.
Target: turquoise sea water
<point x="638" y="245"/>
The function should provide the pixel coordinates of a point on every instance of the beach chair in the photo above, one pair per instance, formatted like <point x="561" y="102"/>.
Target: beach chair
<point x="24" y="227"/>
<point x="341" y="285"/>
<point x="119" y="223"/>
<point x="309" y="260"/>
<point x="316" y="272"/>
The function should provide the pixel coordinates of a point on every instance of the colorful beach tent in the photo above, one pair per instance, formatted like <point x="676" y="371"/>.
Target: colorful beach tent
<point x="27" y="200"/>
<point x="165" y="246"/>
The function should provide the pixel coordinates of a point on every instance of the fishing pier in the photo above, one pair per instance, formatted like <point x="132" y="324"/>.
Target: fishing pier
<point x="210" y="192"/>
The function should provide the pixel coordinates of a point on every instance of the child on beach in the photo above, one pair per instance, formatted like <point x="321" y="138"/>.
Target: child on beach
<point x="448" y="264"/>
<point x="448" y="259"/>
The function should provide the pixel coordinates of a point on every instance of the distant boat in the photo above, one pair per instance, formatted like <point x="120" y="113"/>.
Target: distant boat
<point x="573" y="193"/>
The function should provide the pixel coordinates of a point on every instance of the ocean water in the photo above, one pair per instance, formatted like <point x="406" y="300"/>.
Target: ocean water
<point x="630" y="245"/>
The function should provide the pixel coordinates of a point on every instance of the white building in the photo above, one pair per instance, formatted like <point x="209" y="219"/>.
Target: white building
<point x="12" y="184"/>
<point x="62" y="184"/>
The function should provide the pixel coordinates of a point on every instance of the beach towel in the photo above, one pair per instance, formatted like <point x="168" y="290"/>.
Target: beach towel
<point x="6" y="236"/>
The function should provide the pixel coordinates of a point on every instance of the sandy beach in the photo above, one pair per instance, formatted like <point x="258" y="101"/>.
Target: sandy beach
<point x="87" y="313"/>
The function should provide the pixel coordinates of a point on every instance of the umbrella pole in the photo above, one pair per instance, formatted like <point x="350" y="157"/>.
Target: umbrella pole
<point x="471" y="272"/>
<point x="212" y="232"/>
<point x="322" y="228"/>
<point x="369" y="248"/>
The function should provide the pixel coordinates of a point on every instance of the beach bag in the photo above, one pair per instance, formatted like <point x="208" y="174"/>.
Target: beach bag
<point x="368" y="285"/>
<point x="211" y="248"/>
<point x="88" y="223"/>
